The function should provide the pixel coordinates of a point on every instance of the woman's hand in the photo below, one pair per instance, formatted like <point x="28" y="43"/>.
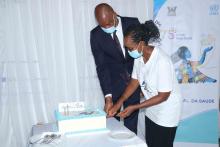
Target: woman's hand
<point x="114" y="110"/>
<point x="132" y="86"/>
<point x="127" y="111"/>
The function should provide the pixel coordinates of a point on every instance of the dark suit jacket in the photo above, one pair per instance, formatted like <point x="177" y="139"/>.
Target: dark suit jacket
<point x="112" y="67"/>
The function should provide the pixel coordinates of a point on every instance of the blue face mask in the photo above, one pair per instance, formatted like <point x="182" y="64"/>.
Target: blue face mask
<point x="135" y="54"/>
<point x="109" y="30"/>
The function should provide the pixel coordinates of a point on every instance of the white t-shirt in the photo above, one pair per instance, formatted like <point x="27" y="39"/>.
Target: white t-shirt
<point x="158" y="75"/>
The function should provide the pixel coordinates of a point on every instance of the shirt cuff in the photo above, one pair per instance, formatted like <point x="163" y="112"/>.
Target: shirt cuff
<point x="108" y="95"/>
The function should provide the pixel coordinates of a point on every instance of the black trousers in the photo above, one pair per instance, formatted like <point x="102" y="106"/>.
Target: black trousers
<point x="158" y="136"/>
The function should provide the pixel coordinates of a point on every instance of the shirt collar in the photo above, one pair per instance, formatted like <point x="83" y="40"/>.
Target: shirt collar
<point x="119" y="24"/>
<point x="151" y="59"/>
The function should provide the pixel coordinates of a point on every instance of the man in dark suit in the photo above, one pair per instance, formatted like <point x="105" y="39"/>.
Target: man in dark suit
<point x="113" y="64"/>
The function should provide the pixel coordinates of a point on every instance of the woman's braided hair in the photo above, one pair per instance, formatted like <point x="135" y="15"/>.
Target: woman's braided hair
<point x="147" y="32"/>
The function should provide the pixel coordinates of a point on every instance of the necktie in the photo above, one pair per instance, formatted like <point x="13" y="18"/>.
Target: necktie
<point x="115" y="37"/>
<point x="125" y="76"/>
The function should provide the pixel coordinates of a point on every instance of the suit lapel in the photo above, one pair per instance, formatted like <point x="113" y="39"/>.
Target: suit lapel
<point x="114" y="48"/>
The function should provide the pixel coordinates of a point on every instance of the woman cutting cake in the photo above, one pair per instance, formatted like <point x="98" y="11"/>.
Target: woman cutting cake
<point x="154" y="72"/>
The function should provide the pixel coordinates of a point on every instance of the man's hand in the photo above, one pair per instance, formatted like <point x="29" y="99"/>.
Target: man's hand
<point x="114" y="110"/>
<point x="108" y="104"/>
<point x="127" y="111"/>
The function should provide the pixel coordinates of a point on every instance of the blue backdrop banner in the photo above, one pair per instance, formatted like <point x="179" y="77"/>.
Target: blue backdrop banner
<point x="190" y="34"/>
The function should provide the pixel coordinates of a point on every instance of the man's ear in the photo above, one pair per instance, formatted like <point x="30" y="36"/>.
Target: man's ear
<point x="115" y="14"/>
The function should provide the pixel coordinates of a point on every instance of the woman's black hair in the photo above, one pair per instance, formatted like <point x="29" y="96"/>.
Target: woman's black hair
<point x="147" y="32"/>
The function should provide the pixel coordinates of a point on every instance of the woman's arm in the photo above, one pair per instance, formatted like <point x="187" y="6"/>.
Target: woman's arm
<point x="130" y="89"/>
<point x="161" y="97"/>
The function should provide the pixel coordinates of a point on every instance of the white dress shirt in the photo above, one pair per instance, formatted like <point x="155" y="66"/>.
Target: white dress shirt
<point x="120" y="36"/>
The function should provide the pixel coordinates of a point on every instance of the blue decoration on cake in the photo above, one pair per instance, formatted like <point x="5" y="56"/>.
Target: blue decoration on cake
<point x="78" y="114"/>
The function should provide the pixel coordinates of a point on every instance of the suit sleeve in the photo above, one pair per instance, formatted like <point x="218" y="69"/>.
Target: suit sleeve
<point x="133" y="21"/>
<point x="136" y="21"/>
<point x="101" y="68"/>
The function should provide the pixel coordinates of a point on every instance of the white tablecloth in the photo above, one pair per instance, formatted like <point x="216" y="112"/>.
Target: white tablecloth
<point x="101" y="139"/>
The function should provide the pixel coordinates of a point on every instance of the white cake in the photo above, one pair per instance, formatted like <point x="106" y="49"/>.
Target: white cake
<point x="81" y="121"/>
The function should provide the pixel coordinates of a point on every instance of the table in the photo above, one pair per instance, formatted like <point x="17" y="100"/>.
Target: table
<point x="101" y="139"/>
